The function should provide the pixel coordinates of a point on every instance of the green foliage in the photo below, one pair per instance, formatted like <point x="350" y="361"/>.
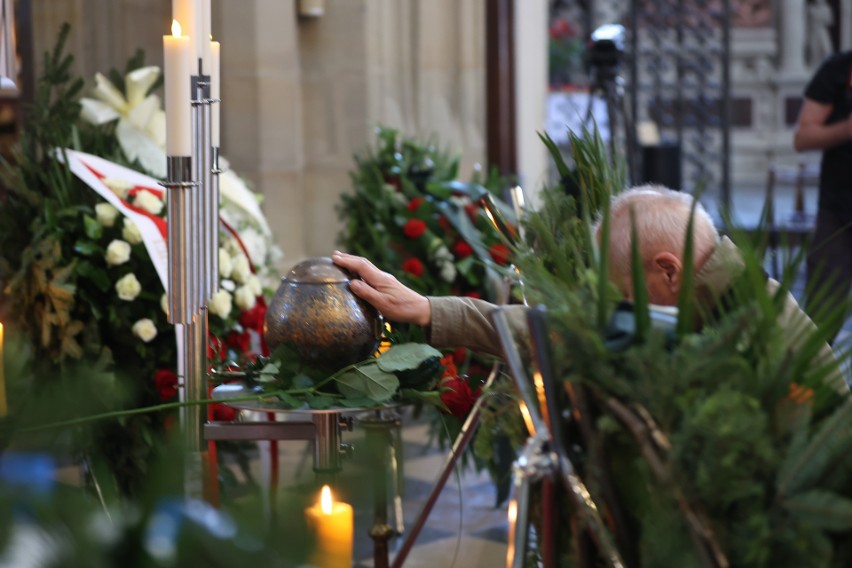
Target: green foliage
<point x="731" y="435"/>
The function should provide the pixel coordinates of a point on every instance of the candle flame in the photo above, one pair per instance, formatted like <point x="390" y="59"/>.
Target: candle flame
<point x="325" y="500"/>
<point x="176" y="30"/>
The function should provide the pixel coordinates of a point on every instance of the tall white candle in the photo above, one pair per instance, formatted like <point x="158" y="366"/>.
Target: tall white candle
<point x="177" y="71"/>
<point x="215" y="91"/>
<point x="206" y="34"/>
<point x="188" y="13"/>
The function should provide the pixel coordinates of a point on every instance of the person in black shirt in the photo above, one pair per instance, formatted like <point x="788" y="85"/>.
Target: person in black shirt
<point x="825" y="123"/>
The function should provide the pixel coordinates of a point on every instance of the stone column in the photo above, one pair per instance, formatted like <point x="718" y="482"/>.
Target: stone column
<point x="531" y="89"/>
<point x="791" y="37"/>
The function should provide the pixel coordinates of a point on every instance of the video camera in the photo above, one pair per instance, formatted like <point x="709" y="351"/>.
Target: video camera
<point x="606" y="47"/>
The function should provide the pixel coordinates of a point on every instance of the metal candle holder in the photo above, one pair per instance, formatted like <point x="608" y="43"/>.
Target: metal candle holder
<point x="193" y="216"/>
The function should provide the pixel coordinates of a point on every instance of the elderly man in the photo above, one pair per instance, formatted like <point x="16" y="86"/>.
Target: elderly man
<point x="661" y="216"/>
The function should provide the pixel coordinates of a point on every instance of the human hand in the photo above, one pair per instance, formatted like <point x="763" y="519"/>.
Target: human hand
<point x="395" y="301"/>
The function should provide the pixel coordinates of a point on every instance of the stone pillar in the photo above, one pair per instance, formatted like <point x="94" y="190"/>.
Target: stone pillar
<point x="531" y="88"/>
<point x="791" y="37"/>
<point x="262" y="109"/>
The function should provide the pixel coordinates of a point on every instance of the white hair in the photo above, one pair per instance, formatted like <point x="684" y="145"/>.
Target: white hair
<point x="662" y="218"/>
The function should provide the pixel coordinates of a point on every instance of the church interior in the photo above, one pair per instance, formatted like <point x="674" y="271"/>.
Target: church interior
<point x="371" y="283"/>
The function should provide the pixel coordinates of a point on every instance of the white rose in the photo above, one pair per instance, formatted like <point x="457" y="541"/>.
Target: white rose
<point x="164" y="303"/>
<point x="220" y="304"/>
<point x="254" y="285"/>
<point x="442" y="253"/>
<point x="149" y="202"/>
<point x="128" y="287"/>
<point x="242" y="269"/>
<point x="117" y="252"/>
<point x="448" y="271"/>
<point x="245" y="298"/>
<point x="225" y="264"/>
<point x="131" y="232"/>
<point x="232" y="246"/>
<point x="106" y="214"/>
<point x="118" y="186"/>
<point x="145" y="330"/>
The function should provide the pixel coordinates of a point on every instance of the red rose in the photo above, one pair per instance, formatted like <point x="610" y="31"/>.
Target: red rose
<point x="215" y="348"/>
<point x="222" y="413"/>
<point x="165" y="381"/>
<point x="462" y="250"/>
<point x="472" y="212"/>
<point x="460" y="355"/>
<point x="253" y="318"/>
<point x="237" y="341"/>
<point x="413" y="228"/>
<point x="473" y="294"/>
<point x="499" y="253"/>
<point x="413" y="266"/>
<point x="457" y="396"/>
<point x="219" y="412"/>
<point x="449" y="364"/>
<point x="443" y="223"/>
<point x="415" y="204"/>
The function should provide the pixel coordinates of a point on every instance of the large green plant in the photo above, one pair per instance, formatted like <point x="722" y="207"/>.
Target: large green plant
<point x="727" y="440"/>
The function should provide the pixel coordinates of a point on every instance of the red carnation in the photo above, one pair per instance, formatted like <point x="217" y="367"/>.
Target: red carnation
<point x="413" y="266"/>
<point x="499" y="253"/>
<point x="165" y="381"/>
<point x="458" y="397"/>
<point x="462" y="250"/>
<point x="415" y="203"/>
<point x="413" y="228"/>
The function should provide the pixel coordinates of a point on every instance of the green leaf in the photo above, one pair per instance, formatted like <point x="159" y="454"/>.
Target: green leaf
<point x="368" y="381"/>
<point x="94" y="230"/>
<point x="406" y="357"/>
<point x="319" y="401"/>
<point x="432" y="397"/>
<point x="824" y="509"/>
<point x="97" y="275"/>
<point x="86" y="248"/>
<point x="362" y="402"/>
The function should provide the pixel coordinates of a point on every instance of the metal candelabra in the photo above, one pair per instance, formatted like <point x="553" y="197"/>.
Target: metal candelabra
<point x="193" y="216"/>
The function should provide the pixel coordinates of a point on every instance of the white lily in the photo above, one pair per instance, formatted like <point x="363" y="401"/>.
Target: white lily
<point x="141" y="129"/>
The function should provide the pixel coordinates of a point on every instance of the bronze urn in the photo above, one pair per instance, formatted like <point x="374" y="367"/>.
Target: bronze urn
<point x="315" y="310"/>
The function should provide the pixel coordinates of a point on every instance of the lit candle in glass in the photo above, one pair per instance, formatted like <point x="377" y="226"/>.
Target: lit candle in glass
<point x="178" y="72"/>
<point x="215" y="91"/>
<point x="331" y="521"/>
<point x="4" y="410"/>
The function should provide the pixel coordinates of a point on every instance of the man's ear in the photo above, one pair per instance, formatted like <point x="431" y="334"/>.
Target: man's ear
<point x="668" y="264"/>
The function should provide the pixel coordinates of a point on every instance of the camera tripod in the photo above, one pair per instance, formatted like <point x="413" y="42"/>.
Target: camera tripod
<point x="608" y="85"/>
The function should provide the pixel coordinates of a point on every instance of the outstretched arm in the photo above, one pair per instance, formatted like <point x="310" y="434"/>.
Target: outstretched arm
<point x="392" y="298"/>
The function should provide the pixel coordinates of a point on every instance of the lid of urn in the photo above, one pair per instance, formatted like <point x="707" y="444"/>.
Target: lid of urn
<point x="318" y="270"/>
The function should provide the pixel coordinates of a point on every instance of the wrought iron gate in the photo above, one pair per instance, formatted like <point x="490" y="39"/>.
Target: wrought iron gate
<point x="679" y="60"/>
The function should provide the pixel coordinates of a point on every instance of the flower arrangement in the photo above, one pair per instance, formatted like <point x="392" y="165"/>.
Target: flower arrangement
<point x="566" y="51"/>
<point x="410" y="216"/>
<point x="79" y="283"/>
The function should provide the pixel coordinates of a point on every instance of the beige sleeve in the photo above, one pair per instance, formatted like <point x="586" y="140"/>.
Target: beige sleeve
<point x="465" y="322"/>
